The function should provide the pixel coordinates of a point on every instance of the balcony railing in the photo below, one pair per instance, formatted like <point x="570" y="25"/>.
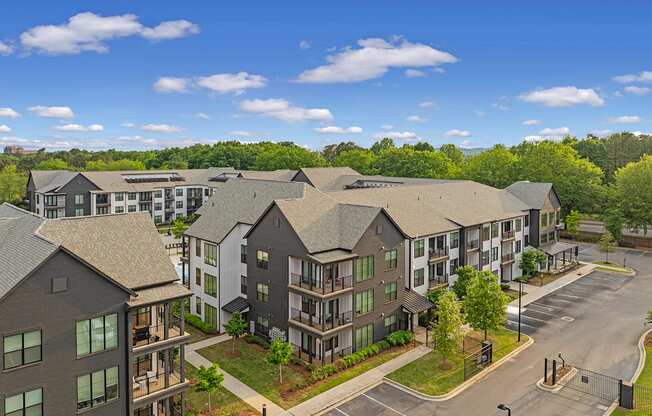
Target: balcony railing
<point x="321" y="287"/>
<point x="438" y="280"/>
<point x="154" y="381"/>
<point x="321" y="323"/>
<point x="473" y="244"/>
<point x="102" y="199"/>
<point x="508" y="235"/>
<point x="438" y="253"/>
<point x="507" y="257"/>
<point x="54" y="203"/>
<point x="315" y="357"/>
<point x="149" y="334"/>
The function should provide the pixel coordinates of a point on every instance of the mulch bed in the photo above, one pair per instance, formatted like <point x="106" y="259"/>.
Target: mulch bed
<point x="561" y="372"/>
<point x="648" y="340"/>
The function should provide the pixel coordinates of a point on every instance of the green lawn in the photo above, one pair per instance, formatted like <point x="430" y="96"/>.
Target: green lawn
<point x="425" y="376"/>
<point x="645" y="380"/>
<point x="223" y="402"/>
<point x="251" y="368"/>
<point x="513" y="294"/>
<point x="196" y="334"/>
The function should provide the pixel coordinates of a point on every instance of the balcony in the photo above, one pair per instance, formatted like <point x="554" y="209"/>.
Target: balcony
<point x="315" y="357"/>
<point x="54" y="202"/>
<point x="145" y="196"/>
<point x="102" y="199"/>
<point x="147" y="331"/>
<point x="438" y="254"/>
<point x="438" y="281"/>
<point x="472" y="244"/>
<point x="321" y="323"/>
<point x="507" y="258"/>
<point x="508" y="235"/>
<point x="316" y="286"/>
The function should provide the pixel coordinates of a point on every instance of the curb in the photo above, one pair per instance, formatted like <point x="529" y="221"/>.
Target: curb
<point x="540" y="384"/>
<point x="468" y="383"/>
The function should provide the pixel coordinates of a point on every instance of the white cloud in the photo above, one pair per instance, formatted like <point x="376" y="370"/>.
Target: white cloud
<point x="373" y="58"/>
<point x="171" y="84"/>
<point x="416" y="119"/>
<point x="533" y="138"/>
<point x="414" y="73"/>
<point x="531" y="122"/>
<point x="281" y="109"/>
<point x="79" y="127"/>
<point x="6" y="48"/>
<point x="161" y="128"/>
<point x="90" y="32"/>
<point x="304" y="44"/>
<point x="458" y="133"/>
<point x="466" y="144"/>
<point x="643" y="76"/>
<point x="232" y="83"/>
<point x="563" y="97"/>
<point x="426" y="104"/>
<point x="203" y="116"/>
<point x="641" y="133"/>
<point x="338" y="130"/>
<point x="170" y="30"/>
<point x="8" y="112"/>
<point x="387" y="127"/>
<point x="128" y="125"/>
<point x="4" y="128"/>
<point x="632" y="89"/>
<point x="398" y="135"/>
<point x="554" y="132"/>
<point x="52" y="112"/>
<point x="625" y="120"/>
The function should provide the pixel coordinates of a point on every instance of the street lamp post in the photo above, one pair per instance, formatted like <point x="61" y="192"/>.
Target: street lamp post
<point x="520" y="295"/>
<point x="505" y="408"/>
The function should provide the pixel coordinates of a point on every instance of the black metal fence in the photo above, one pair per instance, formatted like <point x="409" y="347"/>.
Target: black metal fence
<point x="594" y="384"/>
<point x="478" y="360"/>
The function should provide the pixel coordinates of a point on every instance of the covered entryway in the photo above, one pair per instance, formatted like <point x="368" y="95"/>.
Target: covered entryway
<point x="561" y="256"/>
<point x="238" y="304"/>
<point x="413" y="305"/>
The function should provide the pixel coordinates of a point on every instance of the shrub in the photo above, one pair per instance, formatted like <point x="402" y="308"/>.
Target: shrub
<point x="397" y="338"/>
<point x="383" y="345"/>
<point x="322" y="372"/>
<point x="255" y="339"/>
<point x="504" y="286"/>
<point x="196" y="321"/>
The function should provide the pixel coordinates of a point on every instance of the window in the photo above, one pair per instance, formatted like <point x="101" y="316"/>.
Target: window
<point x="158" y="219"/>
<point x="206" y="193"/>
<point x="51" y="200"/>
<point x="131" y="208"/>
<point x="419" y="277"/>
<point x="158" y="194"/>
<point x="364" y="336"/>
<point x="25" y="404"/>
<point x="79" y="199"/>
<point x="517" y="249"/>
<point x="119" y="196"/>
<point x="551" y="236"/>
<point x="485" y="233"/>
<point x="97" y="388"/>
<point x="485" y="257"/>
<point x="390" y="259"/>
<point x="243" y="285"/>
<point x="158" y="206"/>
<point x="79" y="212"/>
<point x="243" y="253"/>
<point x="262" y="292"/>
<point x="331" y="343"/>
<point x="454" y="264"/>
<point x="544" y="238"/>
<point x="557" y="217"/>
<point x="277" y="222"/>
<point x="102" y="210"/>
<point x="419" y="248"/>
<point x="455" y="239"/>
<point x="390" y="324"/>
<point x="527" y="240"/>
<point x="198" y="305"/>
<point x="210" y="285"/>
<point x="526" y="222"/>
<point x="263" y="322"/>
<point x="364" y="268"/>
<point x="551" y="218"/>
<point x="179" y="191"/>
<point x="494" y="230"/>
<point x="197" y="276"/>
<point x="51" y="213"/>
<point x="119" y="210"/>
<point x="390" y="292"/>
<point x="210" y="254"/>
<point x="210" y="315"/>
<point x="198" y="248"/>
<point x="364" y="302"/>
<point x="97" y="334"/>
<point x="517" y="224"/>
<point x="38" y="201"/>
<point x="179" y="204"/>
<point x="131" y="196"/>
<point x="544" y="219"/>
<point x="262" y="259"/>
<point x="494" y="253"/>
<point x="22" y="349"/>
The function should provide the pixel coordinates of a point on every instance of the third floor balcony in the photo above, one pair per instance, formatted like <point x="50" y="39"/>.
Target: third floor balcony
<point x="321" y="323"/>
<point x="321" y="286"/>
<point x="508" y="235"/>
<point x="438" y="254"/>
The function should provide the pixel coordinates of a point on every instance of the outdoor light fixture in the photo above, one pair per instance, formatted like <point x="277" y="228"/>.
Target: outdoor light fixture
<point x="505" y="408"/>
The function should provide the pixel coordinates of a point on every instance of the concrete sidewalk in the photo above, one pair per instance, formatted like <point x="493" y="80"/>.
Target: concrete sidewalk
<point x="345" y="390"/>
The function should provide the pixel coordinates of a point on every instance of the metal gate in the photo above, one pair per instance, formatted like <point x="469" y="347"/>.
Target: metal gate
<point x="478" y="360"/>
<point x="595" y="384"/>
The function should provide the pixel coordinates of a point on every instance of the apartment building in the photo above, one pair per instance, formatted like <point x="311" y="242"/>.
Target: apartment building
<point x="166" y="195"/>
<point x="87" y="323"/>
<point x="217" y="249"/>
<point x="326" y="275"/>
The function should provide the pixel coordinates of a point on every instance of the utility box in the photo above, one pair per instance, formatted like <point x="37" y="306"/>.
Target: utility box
<point x="626" y="395"/>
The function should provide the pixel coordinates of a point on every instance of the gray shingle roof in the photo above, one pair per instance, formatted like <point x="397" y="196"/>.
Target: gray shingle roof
<point x="273" y="175"/>
<point x="239" y="201"/>
<point x="51" y="180"/>
<point x="158" y="293"/>
<point x="533" y="194"/>
<point x="416" y="303"/>
<point x="328" y="178"/>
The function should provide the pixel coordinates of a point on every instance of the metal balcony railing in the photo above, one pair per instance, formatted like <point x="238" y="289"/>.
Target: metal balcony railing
<point x="322" y="323"/>
<point x="321" y="287"/>
<point x="150" y="334"/>
<point x="507" y="257"/>
<point x="154" y="381"/>
<point x="473" y="244"/>
<point x="438" y="280"/>
<point x="438" y="253"/>
<point x="316" y="357"/>
<point x="508" y="235"/>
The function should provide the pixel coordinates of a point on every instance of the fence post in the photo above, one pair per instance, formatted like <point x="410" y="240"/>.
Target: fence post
<point x="545" y="370"/>
<point x="554" y="372"/>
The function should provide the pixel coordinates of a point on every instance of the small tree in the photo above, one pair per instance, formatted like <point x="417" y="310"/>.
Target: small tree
<point x="446" y="332"/>
<point x="235" y="327"/>
<point x="464" y="276"/>
<point x="208" y="380"/>
<point x="573" y="223"/>
<point x="279" y="354"/>
<point x="179" y="227"/>
<point x="530" y="260"/>
<point x="607" y="243"/>
<point x="613" y="222"/>
<point x="485" y="304"/>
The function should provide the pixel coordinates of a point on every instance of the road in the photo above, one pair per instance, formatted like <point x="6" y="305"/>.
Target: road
<point x="603" y="320"/>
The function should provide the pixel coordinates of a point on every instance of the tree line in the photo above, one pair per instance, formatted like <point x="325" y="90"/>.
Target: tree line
<point x="610" y="176"/>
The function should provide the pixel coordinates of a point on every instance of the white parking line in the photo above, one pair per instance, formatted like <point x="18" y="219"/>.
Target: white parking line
<point x="568" y="296"/>
<point x="384" y="405"/>
<point x="549" y="307"/>
<point x="341" y="411"/>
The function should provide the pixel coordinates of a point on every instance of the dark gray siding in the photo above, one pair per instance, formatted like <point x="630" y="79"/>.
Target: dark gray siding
<point x="534" y="227"/>
<point x="78" y="185"/>
<point x="32" y="305"/>
<point x="31" y="203"/>
<point x="554" y="201"/>
<point x="301" y="177"/>
<point x="372" y="244"/>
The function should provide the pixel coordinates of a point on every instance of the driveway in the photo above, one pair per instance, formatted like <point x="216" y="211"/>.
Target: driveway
<point x="594" y="322"/>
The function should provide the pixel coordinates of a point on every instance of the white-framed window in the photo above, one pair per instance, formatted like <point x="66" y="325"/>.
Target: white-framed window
<point x="79" y="212"/>
<point x="97" y="334"/>
<point x="210" y="254"/>
<point x="79" y="199"/>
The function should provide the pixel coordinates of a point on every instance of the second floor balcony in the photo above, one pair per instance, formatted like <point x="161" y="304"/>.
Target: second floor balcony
<point x="321" y="286"/>
<point x="102" y="199"/>
<point x="156" y="372"/>
<point x="472" y="244"/>
<point x="438" y="280"/>
<point x="321" y="323"/>
<point x="507" y="258"/>
<point x="438" y="254"/>
<point x="150" y="325"/>
<point x="508" y="235"/>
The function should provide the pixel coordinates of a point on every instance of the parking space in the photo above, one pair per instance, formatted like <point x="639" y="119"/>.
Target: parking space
<point x="384" y="400"/>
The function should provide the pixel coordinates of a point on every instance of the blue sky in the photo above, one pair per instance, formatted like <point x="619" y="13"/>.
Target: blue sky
<point x="140" y="75"/>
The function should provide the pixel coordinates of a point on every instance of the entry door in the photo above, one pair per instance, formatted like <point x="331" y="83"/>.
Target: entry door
<point x="332" y="309"/>
<point x="307" y="343"/>
<point x="441" y="242"/>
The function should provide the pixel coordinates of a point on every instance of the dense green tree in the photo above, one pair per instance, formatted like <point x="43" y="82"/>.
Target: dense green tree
<point x="530" y="261"/>
<point x="613" y="221"/>
<point x="494" y="167"/>
<point x="12" y="185"/>
<point x="332" y="151"/>
<point x="361" y="160"/>
<point x="464" y="276"/>
<point x="279" y="354"/>
<point x="415" y="164"/>
<point x="572" y="222"/>
<point x="485" y="304"/>
<point x="121" y="164"/>
<point x="382" y="144"/>
<point x="453" y="153"/>
<point x="607" y="243"/>
<point x="447" y="330"/>
<point x="52" y="164"/>
<point x="424" y="147"/>
<point x="633" y="191"/>
<point x="288" y="157"/>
